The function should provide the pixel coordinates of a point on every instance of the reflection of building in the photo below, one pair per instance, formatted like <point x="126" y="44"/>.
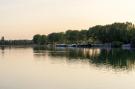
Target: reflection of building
<point x="2" y="50"/>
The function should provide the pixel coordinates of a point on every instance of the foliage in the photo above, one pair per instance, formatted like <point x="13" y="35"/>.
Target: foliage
<point x="72" y="36"/>
<point x="56" y="37"/>
<point x="116" y="44"/>
<point x="115" y="33"/>
<point x="39" y="39"/>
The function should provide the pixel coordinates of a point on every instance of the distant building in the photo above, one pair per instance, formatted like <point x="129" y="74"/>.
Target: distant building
<point x="2" y="38"/>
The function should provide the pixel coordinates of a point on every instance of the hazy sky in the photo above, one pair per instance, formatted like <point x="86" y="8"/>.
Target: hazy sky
<point x="23" y="18"/>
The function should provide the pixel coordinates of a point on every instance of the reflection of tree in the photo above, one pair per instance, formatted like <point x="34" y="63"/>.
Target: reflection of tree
<point x="39" y="51"/>
<point x="115" y="58"/>
<point x="73" y="53"/>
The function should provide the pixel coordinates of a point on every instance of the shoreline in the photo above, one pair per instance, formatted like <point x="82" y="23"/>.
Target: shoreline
<point x="54" y="46"/>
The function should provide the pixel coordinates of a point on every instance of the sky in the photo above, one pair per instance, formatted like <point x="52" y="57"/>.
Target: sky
<point x="21" y="19"/>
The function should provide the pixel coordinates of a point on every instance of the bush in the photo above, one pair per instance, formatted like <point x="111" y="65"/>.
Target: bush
<point x="133" y="42"/>
<point x="117" y="44"/>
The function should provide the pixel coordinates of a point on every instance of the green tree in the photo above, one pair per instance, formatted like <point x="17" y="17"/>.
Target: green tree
<point x="83" y="36"/>
<point x="56" y="37"/>
<point x="39" y="39"/>
<point x="43" y="39"/>
<point x="72" y="36"/>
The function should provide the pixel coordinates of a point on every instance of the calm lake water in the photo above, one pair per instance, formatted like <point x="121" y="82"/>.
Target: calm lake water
<point x="67" y="68"/>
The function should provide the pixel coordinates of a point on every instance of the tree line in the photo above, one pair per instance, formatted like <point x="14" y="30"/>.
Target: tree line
<point x="70" y="36"/>
<point x="4" y="42"/>
<point x="116" y="33"/>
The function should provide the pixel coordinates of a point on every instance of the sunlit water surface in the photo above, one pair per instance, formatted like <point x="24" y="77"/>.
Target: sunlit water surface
<point x="67" y="68"/>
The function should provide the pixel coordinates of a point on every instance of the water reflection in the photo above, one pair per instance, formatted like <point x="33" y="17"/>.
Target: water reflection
<point x="117" y="59"/>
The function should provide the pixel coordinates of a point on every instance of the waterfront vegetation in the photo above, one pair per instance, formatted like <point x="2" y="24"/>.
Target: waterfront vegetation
<point x="115" y="34"/>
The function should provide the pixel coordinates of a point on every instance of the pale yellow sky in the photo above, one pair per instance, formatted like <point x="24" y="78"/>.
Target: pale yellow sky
<point x="21" y="19"/>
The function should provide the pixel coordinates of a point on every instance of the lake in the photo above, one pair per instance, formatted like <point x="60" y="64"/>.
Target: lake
<point x="66" y="68"/>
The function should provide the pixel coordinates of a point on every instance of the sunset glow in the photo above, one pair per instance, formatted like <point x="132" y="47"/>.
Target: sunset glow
<point x="21" y="19"/>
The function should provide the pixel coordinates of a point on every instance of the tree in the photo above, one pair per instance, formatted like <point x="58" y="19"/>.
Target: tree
<point x="72" y="36"/>
<point x="43" y="39"/>
<point x="39" y="39"/>
<point x="109" y="33"/>
<point x="82" y="35"/>
<point x="56" y="37"/>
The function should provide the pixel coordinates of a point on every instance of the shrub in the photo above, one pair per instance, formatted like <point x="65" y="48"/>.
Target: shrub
<point x="117" y="44"/>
